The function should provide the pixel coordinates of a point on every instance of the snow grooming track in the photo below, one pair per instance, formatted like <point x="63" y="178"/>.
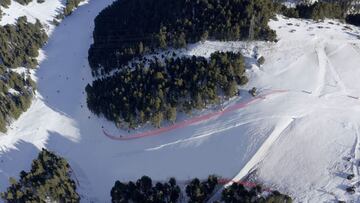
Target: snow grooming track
<point x="203" y="134"/>
<point x="356" y="154"/>
<point x="192" y="120"/>
<point x="322" y="62"/>
<point x="259" y="155"/>
<point x="335" y="74"/>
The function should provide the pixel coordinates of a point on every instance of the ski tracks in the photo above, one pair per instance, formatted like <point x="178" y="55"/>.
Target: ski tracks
<point x="192" y="121"/>
<point x="261" y="153"/>
<point x="265" y="147"/>
<point x="356" y="156"/>
<point x="322" y="62"/>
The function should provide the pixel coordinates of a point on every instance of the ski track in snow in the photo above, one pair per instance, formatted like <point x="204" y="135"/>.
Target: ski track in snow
<point x="355" y="157"/>
<point x="336" y="76"/>
<point x="192" y="121"/>
<point x="322" y="62"/>
<point x="272" y="133"/>
<point x="262" y="151"/>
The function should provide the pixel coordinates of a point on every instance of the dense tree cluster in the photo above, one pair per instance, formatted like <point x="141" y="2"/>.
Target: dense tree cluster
<point x="316" y="11"/>
<point x="144" y="191"/>
<point x="353" y="19"/>
<point x="237" y="193"/>
<point x="70" y="6"/>
<point x="5" y="3"/>
<point x="334" y="9"/>
<point x="16" y="92"/>
<point x="158" y="90"/>
<point x="23" y="2"/>
<point x="49" y="180"/>
<point x="199" y="192"/>
<point x="130" y="28"/>
<point x="19" y="45"/>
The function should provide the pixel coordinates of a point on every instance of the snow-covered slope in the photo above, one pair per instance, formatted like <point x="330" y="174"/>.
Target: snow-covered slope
<point x="296" y="140"/>
<point x="45" y="12"/>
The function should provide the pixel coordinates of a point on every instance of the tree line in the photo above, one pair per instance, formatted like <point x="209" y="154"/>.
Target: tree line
<point x="157" y="89"/>
<point x="333" y="9"/>
<point x="239" y="193"/>
<point x="130" y="28"/>
<point x="353" y="19"/>
<point x="19" y="45"/>
<point x="196" y="191"/>
<point x="50" y="179"/>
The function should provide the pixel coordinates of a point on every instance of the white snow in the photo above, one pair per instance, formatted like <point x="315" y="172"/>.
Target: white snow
<point x="294" y="141"/>
<point x="45" y="12"/>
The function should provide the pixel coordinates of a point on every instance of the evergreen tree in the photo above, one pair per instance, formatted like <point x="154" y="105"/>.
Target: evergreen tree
<point x="49" y="180"/>
<point x="139" y="94"/>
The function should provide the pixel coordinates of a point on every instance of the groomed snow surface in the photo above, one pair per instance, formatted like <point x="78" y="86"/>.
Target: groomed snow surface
<point x="303" y="141"/>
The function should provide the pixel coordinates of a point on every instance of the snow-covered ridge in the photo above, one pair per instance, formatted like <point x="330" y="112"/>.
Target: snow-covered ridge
<point x="296" y="141"/>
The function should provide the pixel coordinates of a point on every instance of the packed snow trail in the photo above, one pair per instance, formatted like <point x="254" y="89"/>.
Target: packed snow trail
<point x="193" y="120"/>
<point x="303" y="162"/>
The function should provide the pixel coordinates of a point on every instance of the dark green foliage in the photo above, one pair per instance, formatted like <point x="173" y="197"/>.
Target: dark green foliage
<point x="23" y="2"/>
<point x="261" y="60"/>
<point x="19" y="47"/>
<point x="237" y="193"/>
<point x="320" y="10"/>
<point x="5" y="3"/>
<point x="70" y="6"/>
<point x="155" y="92"/>
<point x="19" y="43"/>
<point x="130" y="28"/>
<point x="199" y="192"/>
<point x="13" y="104"/>
<point x="48" y="181"/>
<point x="144" y="191"/>
<point x="289" y="12"/>
<point x="196" y="191"/>
<point x="316" y="11"/>
<point x="353" y="19"/>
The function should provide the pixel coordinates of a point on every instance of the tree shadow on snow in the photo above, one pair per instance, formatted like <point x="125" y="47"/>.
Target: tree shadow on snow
<point x="14" y="160"/>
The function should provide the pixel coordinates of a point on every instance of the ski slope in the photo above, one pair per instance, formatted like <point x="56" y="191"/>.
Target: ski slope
<point x="298" y="141"/>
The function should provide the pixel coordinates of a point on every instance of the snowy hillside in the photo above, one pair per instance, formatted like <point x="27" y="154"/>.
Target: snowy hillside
<point x="45" y="12"/>
<point x="298" y="139"/>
